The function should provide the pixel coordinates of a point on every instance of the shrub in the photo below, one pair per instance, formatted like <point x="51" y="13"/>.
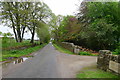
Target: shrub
<point x="87" y="53"/>
<point x="117" y="51"/>
<point x="14" y="51"/>
<point x="84" y="53"/>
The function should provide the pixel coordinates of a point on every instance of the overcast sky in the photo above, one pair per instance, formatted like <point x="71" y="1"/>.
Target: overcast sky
<point x="62" y="7"/>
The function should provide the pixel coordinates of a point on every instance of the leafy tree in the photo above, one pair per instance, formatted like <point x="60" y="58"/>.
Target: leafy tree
<point x="40" y="12"/>
<point x="54" y="25"/>
<point x="97" y="26"/>
<point x="43" y="32"/>
<point x="100" y="22"/>
<point x="68" y="28"/>
<point x="13" y="14"/>
<point x="24" y="15"/>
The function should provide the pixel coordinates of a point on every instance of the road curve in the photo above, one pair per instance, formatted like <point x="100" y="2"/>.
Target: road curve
<point x="49" y="63"/>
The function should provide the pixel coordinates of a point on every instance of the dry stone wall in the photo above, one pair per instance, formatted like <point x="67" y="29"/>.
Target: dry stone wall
<point x="73" y="48"/>
<point x="108" y="62"/>
<point x="70" y="46"/>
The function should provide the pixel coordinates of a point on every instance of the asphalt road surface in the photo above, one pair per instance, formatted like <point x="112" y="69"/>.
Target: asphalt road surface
<point x="49" y="63"/>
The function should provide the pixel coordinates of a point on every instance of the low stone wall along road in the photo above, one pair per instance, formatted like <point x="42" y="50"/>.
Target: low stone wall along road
<point x="49" y="63"/>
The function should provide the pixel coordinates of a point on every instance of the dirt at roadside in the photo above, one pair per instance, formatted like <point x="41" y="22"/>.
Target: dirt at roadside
<point x="72" y="64"/>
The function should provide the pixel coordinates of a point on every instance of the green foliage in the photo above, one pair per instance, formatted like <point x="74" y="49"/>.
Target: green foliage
<point x="99" y="32"/>
<point x="67" y="29"/>
<point x="0" y="33"/>
<point x="86" y="53"/>
<point x="14" y="51"/>
<point x="117" y="51"/>
<point x="24" y="16"/>
<point x="43" y="32"/>
<point x="99" y="27"/>
<point x="54" y="25"/>
<point x="12" y="43"/>
<point x="6" y="37"/>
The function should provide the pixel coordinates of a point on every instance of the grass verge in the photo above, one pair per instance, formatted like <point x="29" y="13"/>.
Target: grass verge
<point x="96" y="74"/>
<point x="61" y="49"/>
<point x="18" y="53"/>
<point x="93" y="72"/>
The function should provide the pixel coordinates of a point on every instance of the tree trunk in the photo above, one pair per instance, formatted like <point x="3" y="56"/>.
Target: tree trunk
<point x="32" y="39"/>
<point x="18" y="24"/>
<point x="13" y="26"/>
<point x="19" y="35"/>
<point x="15" y="34"/>
<point x="33" y="33"/>
<point x="23" y="32"/>
<point x="18" y="30"/>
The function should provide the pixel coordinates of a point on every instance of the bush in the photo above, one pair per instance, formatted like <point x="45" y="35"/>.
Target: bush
<point x="84" y="53"/>
<point x="14" y="51"/>
<point x="117" y="51"/>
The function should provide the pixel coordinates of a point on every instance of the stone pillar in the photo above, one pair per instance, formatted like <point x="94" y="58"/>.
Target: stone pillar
<point x="76" y="49"/>
<point x="103" y="59"/>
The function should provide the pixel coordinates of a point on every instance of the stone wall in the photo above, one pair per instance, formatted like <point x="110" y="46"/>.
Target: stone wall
<point x="70" y="46"/>
<point x="108" y="62"/>
<point x="73" y="48"/>
<point x="66" y="45"/>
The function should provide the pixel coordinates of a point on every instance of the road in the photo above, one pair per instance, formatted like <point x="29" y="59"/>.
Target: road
<point x="49" y="63"/>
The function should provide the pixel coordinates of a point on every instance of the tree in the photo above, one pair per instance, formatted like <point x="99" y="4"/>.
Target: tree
<point x="43" y="32"/>
<point x="13" y="15"/>
<point x="54" y="25"/>
<point x="100" y="22"/>
<point x="21" y="16"/>
<point x="40" y="12"/>
<point x="67" y="29"/>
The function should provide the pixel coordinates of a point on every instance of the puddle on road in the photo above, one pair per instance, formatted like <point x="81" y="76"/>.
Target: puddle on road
<point x="20" y="60"/>
<point x="15" y="61"/>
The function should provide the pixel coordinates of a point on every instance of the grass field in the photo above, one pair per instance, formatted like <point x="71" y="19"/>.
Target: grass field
<point x="11" y="43"/>
<point x="16" y="52"/>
